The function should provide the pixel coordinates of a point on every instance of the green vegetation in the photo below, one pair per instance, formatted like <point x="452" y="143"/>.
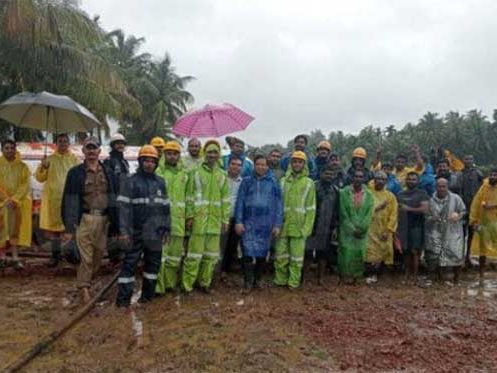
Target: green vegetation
<point x="472" y="133"/>
<point x="52" y="45"/>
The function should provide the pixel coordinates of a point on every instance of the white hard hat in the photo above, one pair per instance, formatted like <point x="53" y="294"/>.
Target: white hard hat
<point x="117" y="137"/>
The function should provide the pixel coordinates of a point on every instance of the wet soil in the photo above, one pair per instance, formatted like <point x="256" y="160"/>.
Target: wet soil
<point x="384" y="327"/>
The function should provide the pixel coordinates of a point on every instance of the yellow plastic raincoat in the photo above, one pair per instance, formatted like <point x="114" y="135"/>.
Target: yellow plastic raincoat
<point x="402" y="175"/>
<point x="385" y="218"/>
<point x="15" y="225"/>
<point x="485" y="239"/>
<point x="51" y="198"/>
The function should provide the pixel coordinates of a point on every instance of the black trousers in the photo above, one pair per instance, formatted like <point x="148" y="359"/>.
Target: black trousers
<point x="126" y="282"/>
<point x="252" y="269"/>
<point x="468" y="234"/>
<point x="230" y="248"/>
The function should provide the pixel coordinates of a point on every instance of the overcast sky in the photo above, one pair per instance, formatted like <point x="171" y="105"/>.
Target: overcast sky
<point x="334" y="65"/>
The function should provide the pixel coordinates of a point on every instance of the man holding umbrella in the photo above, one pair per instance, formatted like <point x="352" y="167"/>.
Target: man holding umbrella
<point x="193" y="158"/>
<point x="53" y="171"/>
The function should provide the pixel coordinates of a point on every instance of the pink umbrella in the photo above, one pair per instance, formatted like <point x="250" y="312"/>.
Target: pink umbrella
<point x="212" y="121"/>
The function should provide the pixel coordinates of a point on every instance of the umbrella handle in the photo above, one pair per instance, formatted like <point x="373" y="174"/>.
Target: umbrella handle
<point x="46" y="135"/>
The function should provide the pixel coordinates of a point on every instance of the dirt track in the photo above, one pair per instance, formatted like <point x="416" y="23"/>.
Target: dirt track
<point x="385" y="327"/>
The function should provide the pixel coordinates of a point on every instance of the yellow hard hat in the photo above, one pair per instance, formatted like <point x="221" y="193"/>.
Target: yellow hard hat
<point x="158" y="142"/>
<point x="324" y="145"/>
<point x="359" y="153"/>
<point x="299" y="155"/>
<point x="148" y="151"/>
<point x="172" y="145"/>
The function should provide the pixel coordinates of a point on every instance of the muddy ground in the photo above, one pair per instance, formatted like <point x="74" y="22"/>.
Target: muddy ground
<point x="385" y="327"/>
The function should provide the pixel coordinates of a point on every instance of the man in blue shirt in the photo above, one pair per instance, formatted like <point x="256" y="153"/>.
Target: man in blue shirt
<point x="237" y="147"/>
<point x="300" y="144"/>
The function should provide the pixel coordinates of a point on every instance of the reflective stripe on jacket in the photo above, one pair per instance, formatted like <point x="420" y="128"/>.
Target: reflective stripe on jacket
<point x="299" y="205"/>
<point x="176" y="180"/>
<point x="208" y="199"/>
<point x="144" y="211"/>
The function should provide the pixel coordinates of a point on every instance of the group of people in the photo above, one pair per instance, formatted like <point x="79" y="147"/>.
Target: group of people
<point x="191" y="217"/>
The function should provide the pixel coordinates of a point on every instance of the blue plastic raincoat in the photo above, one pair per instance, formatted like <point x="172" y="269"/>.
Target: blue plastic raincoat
<point x="259" y="208"/>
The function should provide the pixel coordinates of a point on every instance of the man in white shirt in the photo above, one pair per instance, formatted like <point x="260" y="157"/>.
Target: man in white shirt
<point x="229" y="244"/>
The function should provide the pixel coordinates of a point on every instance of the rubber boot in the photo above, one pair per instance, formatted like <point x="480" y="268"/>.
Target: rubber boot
<point x="248" y="273"/>
<point x="55" y="259"/>
<point x="258" y="269"/>
<point x="320" y="271"/>
<point x="306" y="269"/>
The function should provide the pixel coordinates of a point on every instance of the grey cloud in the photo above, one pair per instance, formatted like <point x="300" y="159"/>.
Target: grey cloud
<point x="297" y="66"/>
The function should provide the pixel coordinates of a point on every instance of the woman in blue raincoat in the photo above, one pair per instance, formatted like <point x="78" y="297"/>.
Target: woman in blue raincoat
<point x="258" y="217"/>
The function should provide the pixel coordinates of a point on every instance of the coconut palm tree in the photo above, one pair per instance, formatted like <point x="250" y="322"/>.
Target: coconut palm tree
<point x="50" y="45"/>
<point x="163" y="93"/>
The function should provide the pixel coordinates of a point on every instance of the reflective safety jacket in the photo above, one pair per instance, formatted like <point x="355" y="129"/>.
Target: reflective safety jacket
<point x="299" y="204"/>
<point x="208" y="199"/>
<point x="176" y="180"/>
<point x="15" y="185"/>
<point x="144" y="207"/>
<point x="118" y="166"/>
<point x="51" y="198"/>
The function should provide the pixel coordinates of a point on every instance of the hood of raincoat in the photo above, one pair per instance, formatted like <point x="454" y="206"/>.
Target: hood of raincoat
<point x="305" y="172"/>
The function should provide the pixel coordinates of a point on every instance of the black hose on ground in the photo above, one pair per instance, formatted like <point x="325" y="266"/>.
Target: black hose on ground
<point x="46" y="341"/>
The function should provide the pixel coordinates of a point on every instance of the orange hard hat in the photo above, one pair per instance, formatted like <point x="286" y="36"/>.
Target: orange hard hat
<point x="172" y="145"/>
<point x="324" y="145"/>
<point x="359" y="153"/>
<point x="148" y="151"/>
<point x="158" y="142"/>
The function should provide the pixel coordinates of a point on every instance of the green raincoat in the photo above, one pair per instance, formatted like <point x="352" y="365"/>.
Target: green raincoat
<point x="208" y="200"/>
<point x="176" y="180"/>
<point x="299" y="206"/>
<point x="208" y="204"/>
<point x="352" y="250"/>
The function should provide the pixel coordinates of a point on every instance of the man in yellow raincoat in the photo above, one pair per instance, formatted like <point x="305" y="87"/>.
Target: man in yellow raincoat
<point x="483" y="218"/>
<point x="383" y="226"/>
<point x="53" y="171"/>
<point x="15" y="201"/>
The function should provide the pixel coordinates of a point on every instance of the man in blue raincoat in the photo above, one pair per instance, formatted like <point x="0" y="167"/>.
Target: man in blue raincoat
<point x="258" y="217"/>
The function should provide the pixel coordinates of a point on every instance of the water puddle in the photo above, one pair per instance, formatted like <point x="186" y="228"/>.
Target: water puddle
<point x="136" y="322"/>
<point x="66" y="302"/>
<point x="485" y="289"/>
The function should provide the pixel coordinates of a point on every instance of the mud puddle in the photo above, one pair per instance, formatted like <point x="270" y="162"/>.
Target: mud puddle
<point x="387" y="326"/>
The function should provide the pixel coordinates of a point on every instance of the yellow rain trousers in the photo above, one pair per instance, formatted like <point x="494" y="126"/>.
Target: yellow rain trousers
<point x="51" y="198"/>
<point x="485" y="239"/>
<point x="15" y="225"/>
<point x="384" y="220"/>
